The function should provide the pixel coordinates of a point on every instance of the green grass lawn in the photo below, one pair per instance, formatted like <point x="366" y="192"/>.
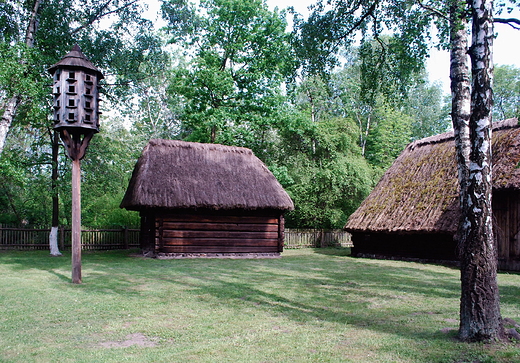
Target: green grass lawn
<point x="309" y="306"/>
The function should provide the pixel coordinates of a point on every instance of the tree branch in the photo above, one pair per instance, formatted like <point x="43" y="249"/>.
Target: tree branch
<point x="361" y="19"/>
<point x="32" y="27"/>
<point x="433" y="10"/>
<point x="100" y="14"/>
<point x="512" y="22"/>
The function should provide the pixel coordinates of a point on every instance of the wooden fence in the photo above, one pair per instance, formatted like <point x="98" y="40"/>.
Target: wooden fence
<point x="91" y="239"/>
<point x="316" y="238"/>
<point x="112" y="239"/>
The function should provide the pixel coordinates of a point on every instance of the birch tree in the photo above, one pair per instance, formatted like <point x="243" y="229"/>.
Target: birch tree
<point x="480" y="318"/>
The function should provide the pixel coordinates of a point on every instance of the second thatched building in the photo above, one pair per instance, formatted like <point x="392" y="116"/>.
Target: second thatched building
<point x="414" y="209"/>
<point x="206" y="199"/>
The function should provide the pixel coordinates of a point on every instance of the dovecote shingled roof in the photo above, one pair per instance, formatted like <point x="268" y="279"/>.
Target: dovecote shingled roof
<point x="419" y="192"/>
<point x="75" y="59"/>
<point x="187" y="175"/>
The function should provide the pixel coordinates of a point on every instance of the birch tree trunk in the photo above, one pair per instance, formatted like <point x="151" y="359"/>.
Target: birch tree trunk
<point x="7" y="118"/>
<point x="460" y="92"/>
<point x="480" y="318"/>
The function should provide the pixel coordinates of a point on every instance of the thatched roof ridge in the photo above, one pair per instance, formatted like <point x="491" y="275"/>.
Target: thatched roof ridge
<point x="180" y="174"/>
<point x="420" y="190"/>
<point x="500" y="125"/>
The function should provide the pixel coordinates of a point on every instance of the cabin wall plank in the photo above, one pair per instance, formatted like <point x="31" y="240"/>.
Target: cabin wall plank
<point x="207" y="233"/>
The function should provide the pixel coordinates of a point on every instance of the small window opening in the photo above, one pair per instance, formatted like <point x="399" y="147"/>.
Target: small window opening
<point x="88" y="91"/>
<point x="71" y="116"/>
<point x="87" y="117"/>
<point x="87" y="104"/>
<point x="57" y="76"/>
<point x="87" y="77"/>
<point x="71" y="103"/>
<point x="72" y="89"/>
<point x="72" y="75"/>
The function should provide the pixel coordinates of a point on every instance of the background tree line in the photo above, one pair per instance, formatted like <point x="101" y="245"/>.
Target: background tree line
<point x="327" y="122"/>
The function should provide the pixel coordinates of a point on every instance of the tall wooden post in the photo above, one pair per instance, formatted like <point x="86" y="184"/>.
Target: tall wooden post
<point x="76" y="221"/>
<point x="76" y="117"/>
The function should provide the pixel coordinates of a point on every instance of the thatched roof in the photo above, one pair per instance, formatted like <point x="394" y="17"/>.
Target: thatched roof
<point x="420" y="190"/>
<point x="179" y="174"/>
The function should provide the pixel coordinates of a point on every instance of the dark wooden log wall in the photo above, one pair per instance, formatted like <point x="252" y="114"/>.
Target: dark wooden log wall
<point x="433" y="246"/>
<point x="506" y="228"/>
<point x="147" y="233"/>
<point x="506" y="221"/>
<point x="199" y="233"/>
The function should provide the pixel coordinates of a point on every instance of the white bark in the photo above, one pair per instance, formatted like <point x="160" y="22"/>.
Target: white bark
<point x="480" y="318"/>
<point x="53" y="242"/>
<point x="7" y="119"/>
<point x="460" y="94"/>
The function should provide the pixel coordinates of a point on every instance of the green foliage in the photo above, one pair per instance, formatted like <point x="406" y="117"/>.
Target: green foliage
<point x="332" y="28"/>
<point x="9" y="19"/>
<point x="322" y="169"/>
<point x="506" y="92"/>
<point x="149" y="109"/>
<point x="25" y="179"/>
<point x="20" y="75"/>
<point x="232" y="86"/>
<point x="107" y="170"/>
<point x="428" y="109"/>
<point x="388" y="139"/>
<point x="325" y="195"/>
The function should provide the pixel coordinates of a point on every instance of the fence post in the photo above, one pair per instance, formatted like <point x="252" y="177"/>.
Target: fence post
<point x="125" y="237"/>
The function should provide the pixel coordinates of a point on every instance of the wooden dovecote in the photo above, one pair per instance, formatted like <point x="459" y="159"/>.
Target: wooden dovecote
<point x="76" y="92"/>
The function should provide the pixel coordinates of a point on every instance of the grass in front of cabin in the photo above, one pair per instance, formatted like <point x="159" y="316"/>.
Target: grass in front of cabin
<point x="310" y="306"/>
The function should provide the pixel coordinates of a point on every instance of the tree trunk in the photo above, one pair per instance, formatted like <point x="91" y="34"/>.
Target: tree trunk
<point x="460" y="93"/>
<point x="480" y="318"/>
<point x="53" y="237"/>
<point x="7" y="119"/>
<point x="53" y="242"/>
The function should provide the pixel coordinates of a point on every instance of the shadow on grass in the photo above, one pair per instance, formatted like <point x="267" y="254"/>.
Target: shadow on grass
<point x="308" y="287"/>
<point x="333" y="251"/>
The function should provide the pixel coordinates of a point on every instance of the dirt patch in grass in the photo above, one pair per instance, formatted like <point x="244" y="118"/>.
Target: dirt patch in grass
<point x="138" y="339"/>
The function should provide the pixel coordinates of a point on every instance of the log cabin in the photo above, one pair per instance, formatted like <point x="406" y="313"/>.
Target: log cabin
<point x="413" y="212"/>
<point x="206" y="200"/>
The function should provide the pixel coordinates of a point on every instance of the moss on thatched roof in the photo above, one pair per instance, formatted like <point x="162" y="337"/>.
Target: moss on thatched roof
<point x="179" y="174"/>
<point x="420" y="190"/>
